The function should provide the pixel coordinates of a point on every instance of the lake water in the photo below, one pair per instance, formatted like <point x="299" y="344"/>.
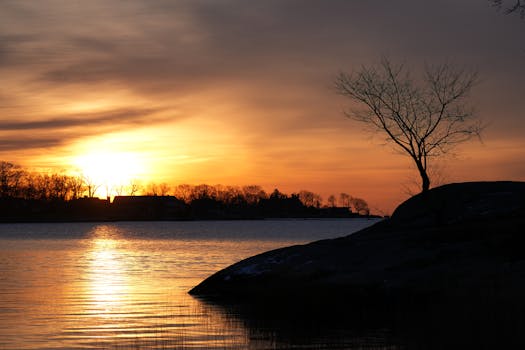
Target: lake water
<point x="124" y="285"/>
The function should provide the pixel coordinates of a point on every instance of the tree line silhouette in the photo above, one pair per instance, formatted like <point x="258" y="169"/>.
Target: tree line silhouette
<point x="37" y="196"/>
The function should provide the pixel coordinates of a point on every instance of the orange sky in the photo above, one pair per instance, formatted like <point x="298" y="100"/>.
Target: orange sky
<point x="239" y="93"/>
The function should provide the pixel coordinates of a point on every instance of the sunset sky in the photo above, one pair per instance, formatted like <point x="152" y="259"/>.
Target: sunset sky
<point x="239" y="92"/>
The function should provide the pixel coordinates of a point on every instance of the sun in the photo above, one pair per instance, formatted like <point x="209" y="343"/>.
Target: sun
<point x="109" y="170"/>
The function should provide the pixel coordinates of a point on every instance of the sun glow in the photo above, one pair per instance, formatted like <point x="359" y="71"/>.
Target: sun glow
<point x="108" y="170"/>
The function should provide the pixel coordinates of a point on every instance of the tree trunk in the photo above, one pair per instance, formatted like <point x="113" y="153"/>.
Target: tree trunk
<point x="425" y="181"/>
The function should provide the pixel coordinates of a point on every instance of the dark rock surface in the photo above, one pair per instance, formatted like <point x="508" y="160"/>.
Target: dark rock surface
<point x="457" y="240"/>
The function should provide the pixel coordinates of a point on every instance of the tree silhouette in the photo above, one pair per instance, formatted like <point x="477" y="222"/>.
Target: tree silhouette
<point x="345" y="200"/>
<point x="90" y="185"/>
<point x="164" y="189"/>
<point x="76" y="186"/>
<point x="253" y="194"/>
<point x="134" y="187"/>
<point x="307" y="198"/>
<point x="183" y="192"/>
<point x="424" y="119"/>
<point x="10" y="177"/>
<point x="331" y="201"/>
<point x="360" y="206"/>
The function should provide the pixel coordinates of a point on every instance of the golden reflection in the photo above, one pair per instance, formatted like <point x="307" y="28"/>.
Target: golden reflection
<point x="107" y="281"/>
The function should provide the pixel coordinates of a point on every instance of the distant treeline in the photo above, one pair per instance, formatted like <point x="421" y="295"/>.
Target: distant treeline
<point x="34" y="196"/>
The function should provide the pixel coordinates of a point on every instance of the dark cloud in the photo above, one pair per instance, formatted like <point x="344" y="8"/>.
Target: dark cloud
<point x="19" y="135"/>
<point x="28" y="142"/>
<point x="186" y="41"/>
<point x="187" y="46"/>
<point x="274" y="57"/>
<point x="11" y="47"/>
<point x="96" y="44"/>
<point x="114" y="119"/>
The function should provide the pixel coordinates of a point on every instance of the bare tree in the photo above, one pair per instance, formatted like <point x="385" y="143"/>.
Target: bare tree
<point x="318" y="200"/>
<point x="332" y="201"/>
<point x="253" y="194"/>
<point x="119" y="189"/>
<point x="345" y="200"/>
<point x="229" y="194"/>
<point x="203" y="191"/>
<point x="155" y="189"/>
<point x="90" y="185"/>
<point x="307" y="198"/>
<point x="10" y="177"/>
<point x="438" y="172"/>
<point x="76" y="186"/>
<point x="152" y="189"/>
<point x="360" y="206"/>
<point x="424" y="119"/>
<point x="183" y="192"/>
<point x="134" y="187"/>
<point x="164" y="189"/>
<point x="59" y="186"/>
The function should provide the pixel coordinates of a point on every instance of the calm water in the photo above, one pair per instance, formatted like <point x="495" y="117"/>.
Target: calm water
<point x="124" y="285"/>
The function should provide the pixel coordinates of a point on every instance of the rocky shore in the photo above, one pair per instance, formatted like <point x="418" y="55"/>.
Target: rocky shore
<point x="459" y="240"/>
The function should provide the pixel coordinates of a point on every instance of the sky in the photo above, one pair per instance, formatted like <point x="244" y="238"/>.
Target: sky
<point x="238" y="92"/>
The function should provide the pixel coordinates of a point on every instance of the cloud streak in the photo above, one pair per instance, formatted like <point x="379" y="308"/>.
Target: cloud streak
<point x="68" y="128"/>
<point x="114" y="119"/>
<point x="17" y="142"/>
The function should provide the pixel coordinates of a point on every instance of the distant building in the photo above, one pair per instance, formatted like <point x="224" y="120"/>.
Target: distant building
<point x="148" y="208"/>
<point x="87" y="208"/>
<point x="336" y="212"/>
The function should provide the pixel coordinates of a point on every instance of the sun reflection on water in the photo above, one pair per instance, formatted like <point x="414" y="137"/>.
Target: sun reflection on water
<point x="126" y="306"/>
<point x="107" y="281"/>
<point x="124" y="286"/>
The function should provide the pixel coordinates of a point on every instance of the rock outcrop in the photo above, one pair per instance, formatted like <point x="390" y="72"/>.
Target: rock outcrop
<point x="453" y="241"/>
